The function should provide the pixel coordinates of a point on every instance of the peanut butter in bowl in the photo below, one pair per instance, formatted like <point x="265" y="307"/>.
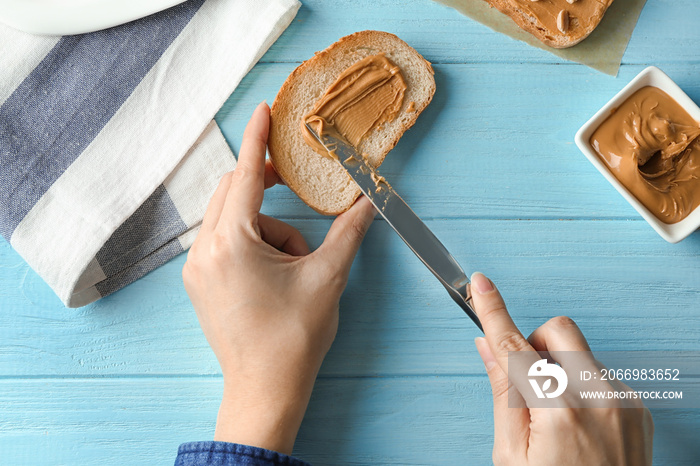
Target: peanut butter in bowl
<point x="652" y="146"/>
<point x="646" y="142"/>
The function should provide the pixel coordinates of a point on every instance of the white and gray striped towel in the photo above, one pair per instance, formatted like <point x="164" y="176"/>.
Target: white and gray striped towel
<point x="108" y="151"/>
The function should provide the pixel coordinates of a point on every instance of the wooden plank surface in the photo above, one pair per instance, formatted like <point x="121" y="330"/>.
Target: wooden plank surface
<point x="667" y="33"/>
<point x="141" y="421"/>
<point x="479" y="152"/>
<point x="396" y="319"/>
<point x="491" y="166"/>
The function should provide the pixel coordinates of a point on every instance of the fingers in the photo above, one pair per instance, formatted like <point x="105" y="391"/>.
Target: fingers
<point x="271" y="176"/>
<point x="511" y="422"/>
<point x="345" y="236"/>
<point x="565" y="344"/>
<point x="245" y="195"/>
<point x="216" y="204"/>
<point x="501" y="333"/>
<point x="559" y="334"/>
<point x="282" y="236"/>
<point x="500" y="330"/>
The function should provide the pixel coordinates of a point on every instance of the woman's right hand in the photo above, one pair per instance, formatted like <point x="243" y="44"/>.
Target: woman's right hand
<point x="557" y="435"/>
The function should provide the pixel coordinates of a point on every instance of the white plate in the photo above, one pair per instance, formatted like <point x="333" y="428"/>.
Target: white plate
<point x="65" y="17"/>
<point x="651" y="76"/>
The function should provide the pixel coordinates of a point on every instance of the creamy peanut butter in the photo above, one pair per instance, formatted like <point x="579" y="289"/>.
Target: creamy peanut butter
<point x="651" y="144"/>
<point x="563" y="15"/>
<point x="364" y="96"/>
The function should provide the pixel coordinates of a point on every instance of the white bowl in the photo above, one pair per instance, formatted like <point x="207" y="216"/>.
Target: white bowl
<point x="65" y="17"/>
<point x="651" y="76"/>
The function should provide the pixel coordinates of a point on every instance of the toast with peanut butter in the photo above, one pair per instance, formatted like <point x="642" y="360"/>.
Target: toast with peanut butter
<point x="557" y="23"/>
<point x="370" y="86"/>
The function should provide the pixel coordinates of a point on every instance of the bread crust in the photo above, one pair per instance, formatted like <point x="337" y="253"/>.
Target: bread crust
<point x="553" y="38"/>
<point x="284" y="115"/>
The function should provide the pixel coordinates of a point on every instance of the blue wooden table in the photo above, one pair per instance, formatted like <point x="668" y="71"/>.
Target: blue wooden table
<point x="491" y="167"/>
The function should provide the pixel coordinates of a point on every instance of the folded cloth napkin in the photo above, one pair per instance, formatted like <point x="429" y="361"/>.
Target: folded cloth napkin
<point x="108" y="149"/>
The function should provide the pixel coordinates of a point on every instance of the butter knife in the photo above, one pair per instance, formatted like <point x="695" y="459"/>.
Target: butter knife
<point x="403" y="220"/>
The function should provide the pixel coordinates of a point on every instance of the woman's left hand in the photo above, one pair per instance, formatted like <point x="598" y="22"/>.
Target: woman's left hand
<point x="267" y="305"/>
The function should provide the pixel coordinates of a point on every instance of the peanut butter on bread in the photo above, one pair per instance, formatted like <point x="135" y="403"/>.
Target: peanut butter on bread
<point x="366" y="95"/>
<point x="318" y="180"/>
<point x="557" y="23"/>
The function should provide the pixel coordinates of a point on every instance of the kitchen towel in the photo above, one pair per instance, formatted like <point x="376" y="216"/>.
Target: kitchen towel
<point x="108" y="149"/>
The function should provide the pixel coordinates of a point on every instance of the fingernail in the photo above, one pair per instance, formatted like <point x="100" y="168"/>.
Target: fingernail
<point x="482" y="347"/>
<point x="480" y="283"/>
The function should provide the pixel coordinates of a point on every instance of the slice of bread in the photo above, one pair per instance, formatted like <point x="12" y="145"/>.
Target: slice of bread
<point x="320" y="181"/>
<point x="541" y="18"/>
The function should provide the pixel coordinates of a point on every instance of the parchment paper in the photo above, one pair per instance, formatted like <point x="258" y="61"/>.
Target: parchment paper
<point x="602" y="50"/>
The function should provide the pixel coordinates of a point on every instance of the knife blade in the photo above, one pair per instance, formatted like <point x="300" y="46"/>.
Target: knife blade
<point x="402" y="219"/>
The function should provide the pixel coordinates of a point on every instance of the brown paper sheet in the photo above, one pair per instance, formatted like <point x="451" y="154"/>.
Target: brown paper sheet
<point x="602" y="50"/>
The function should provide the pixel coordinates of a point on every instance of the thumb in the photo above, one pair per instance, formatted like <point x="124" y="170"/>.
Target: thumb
<point x="346" y="234"/>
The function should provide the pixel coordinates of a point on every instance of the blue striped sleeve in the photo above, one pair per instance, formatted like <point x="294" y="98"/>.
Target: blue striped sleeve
<point x="230" y="454"/>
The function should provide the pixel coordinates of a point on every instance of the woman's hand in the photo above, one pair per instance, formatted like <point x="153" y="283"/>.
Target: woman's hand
<point x="556" y="435"/>
<point x="267" y="305"/>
